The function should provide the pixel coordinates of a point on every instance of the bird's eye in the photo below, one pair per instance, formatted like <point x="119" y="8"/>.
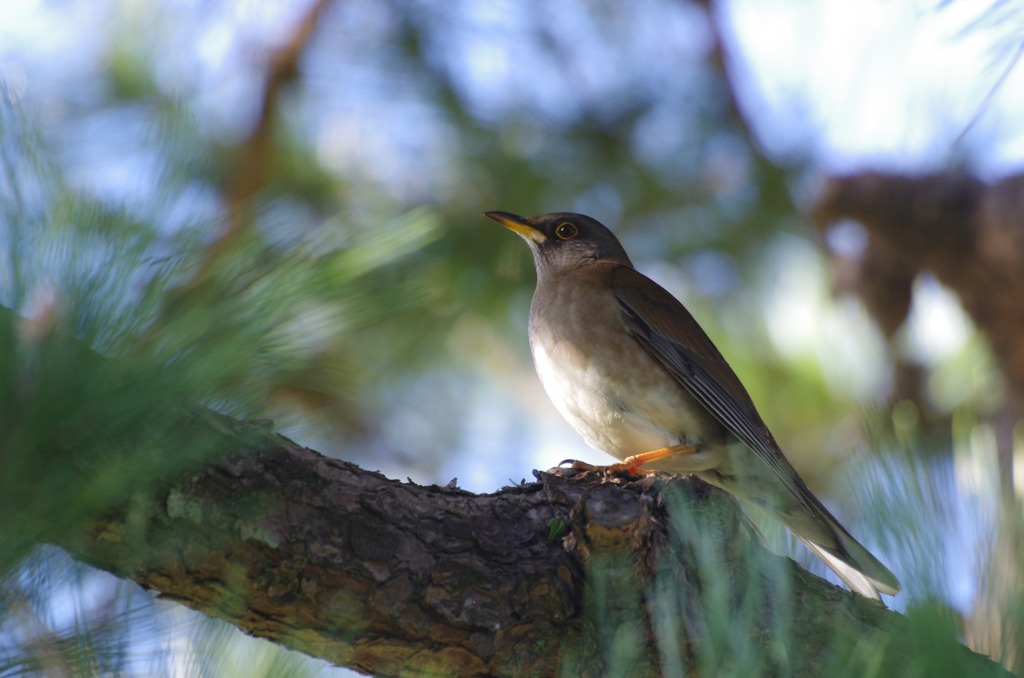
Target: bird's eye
<point x="566" y="231"/>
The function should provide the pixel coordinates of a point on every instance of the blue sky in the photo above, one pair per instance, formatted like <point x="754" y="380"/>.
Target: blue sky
<point x="890" y="84"/>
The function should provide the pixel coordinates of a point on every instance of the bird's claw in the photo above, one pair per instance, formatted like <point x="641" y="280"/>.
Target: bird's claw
<point x="632" y="469"/>
<point x="577" y="465"/>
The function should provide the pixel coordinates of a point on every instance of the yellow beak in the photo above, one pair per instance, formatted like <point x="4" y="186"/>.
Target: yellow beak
<point x="518" y="225"/>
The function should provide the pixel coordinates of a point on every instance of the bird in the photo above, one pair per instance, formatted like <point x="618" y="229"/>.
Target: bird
<point x="631" y="370"/>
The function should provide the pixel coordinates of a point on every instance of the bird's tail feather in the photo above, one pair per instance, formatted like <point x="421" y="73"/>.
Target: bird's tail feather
<point x="853" y="576"/>
<point x="844" y="555"/>
<point x="808" y="519"/>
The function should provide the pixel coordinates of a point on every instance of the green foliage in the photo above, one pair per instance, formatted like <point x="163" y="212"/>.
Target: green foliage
<point x="114" y="335"/>
<point x="556" y="529"/>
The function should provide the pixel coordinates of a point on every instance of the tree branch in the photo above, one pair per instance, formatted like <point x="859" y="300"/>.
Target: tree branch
<point x="388" y="577"/>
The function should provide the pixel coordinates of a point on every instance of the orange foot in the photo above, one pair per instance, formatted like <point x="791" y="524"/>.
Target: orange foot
<point x="633" y="463"/>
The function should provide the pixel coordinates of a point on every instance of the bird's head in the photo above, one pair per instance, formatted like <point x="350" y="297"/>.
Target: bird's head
<point x="562" y="241"/>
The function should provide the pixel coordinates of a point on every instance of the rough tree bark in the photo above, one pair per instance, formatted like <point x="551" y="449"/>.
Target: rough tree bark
<point x="393" y="579"/>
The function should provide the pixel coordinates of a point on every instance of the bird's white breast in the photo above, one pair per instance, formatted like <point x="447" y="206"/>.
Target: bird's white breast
<point x="606" y="402"/>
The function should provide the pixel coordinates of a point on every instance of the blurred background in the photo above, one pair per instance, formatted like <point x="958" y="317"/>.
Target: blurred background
<point x="274" y="208"/>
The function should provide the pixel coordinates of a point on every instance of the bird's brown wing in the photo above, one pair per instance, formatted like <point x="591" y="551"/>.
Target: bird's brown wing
<point x="669" y="333"/>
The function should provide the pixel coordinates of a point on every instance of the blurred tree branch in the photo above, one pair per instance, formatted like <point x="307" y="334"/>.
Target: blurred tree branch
<point x="392" y="578"/>
<point x="254" y="154"/>
<point x="970" y="236"/>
